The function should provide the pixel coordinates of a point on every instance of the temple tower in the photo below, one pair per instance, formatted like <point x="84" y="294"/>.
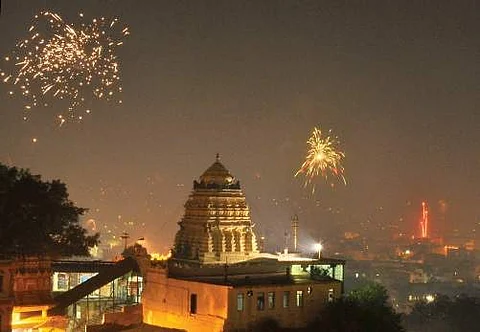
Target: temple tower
<point x="216" y="226"/>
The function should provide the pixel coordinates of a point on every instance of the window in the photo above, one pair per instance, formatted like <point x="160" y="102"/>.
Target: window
<point x="193" y="303"/>
<point x="299" y="298"/>
<point x="1" y="284"/>
<point x="260" y="301"/>
<point x="28" y="314"/>
<point x="286" y="299"/>
<point x="331" y="295"/>
<point x="62" y="283"/>
<point x="240" y="302"/>
<point x="271" y="300"/>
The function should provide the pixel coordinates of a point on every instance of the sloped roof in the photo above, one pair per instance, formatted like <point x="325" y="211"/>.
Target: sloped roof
<point x="217" y="173"/>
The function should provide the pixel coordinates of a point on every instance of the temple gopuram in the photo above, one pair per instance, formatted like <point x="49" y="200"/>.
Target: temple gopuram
<point x="216" y="226"/>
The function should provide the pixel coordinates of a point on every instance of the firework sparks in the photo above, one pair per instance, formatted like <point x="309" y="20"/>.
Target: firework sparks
<point x="59" y="61"/>
<point x="323" y="158"/>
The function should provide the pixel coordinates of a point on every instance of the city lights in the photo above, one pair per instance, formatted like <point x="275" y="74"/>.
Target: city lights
<point x="424" y="221"/>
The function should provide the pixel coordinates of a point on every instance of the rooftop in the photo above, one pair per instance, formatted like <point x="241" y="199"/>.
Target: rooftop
<point x="217" y="176"/>
<point x="260" y="280"/>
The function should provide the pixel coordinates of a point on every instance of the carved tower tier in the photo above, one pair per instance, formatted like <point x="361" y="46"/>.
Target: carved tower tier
<point x="216" y="226"/>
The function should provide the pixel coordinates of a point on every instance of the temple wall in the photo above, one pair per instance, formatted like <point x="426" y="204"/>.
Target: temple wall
<point x="167" y="303"/>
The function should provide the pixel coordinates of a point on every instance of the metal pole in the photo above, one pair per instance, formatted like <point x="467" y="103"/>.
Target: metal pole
<point x="113" y="294"/>
<point x="138" y="290"/>
<point x="87" y="311"/>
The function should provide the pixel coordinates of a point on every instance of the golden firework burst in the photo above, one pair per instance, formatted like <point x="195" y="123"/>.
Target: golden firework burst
<point x="324" y="158"/>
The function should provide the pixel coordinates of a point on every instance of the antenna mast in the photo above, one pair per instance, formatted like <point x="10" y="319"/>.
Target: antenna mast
<point x="295" y="232"/>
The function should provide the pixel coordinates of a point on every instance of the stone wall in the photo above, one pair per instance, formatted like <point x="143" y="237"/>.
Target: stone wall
<point x="130" y="315"/>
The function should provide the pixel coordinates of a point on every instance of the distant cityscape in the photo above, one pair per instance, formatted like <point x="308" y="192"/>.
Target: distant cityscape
<point x="415" y="264"/>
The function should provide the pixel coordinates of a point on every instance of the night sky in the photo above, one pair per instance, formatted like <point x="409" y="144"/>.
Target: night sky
<point x="397" y="81"/>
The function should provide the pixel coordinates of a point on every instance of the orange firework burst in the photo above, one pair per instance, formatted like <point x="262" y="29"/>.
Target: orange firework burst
<point x="323" y="158"/>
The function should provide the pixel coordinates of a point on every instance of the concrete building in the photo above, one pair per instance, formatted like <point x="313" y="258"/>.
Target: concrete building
<point x="217" y="279"/>
<point x="233" y="297"/>
<point x="38" y="294"/>
<point x="25" y="296"/>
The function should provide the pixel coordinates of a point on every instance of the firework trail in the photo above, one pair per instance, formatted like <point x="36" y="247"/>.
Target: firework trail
<point x="59" y="61"/>
<point x="323" y="158"/>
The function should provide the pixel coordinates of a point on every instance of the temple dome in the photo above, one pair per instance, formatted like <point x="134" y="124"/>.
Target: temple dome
<point x="217" y="174"/>
<point x="216" y="226"/>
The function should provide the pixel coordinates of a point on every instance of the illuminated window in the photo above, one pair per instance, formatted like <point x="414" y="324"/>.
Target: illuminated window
<point x="260" y="301"/>
<point x="28" y="314"/>
<point x="193" y="303"/>
<point x="271" y="300"/>
<point x="240" y="302"/>
<point x="286" y="299"/>
<point x="62" y="283"/>
<point x="299" y="298"/>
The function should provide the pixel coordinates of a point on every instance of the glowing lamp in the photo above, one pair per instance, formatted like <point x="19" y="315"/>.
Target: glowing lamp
<point x="318" y="248"/>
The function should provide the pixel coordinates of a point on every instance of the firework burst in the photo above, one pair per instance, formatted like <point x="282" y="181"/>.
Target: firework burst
<point x="59" y="61"/>
<point x="323" y="159"/>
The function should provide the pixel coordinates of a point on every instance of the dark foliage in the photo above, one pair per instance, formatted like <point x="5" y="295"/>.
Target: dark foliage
<point x="365" y="309"/>
<point x="445" y="314"/>
<point x="37" y="218"/>
<point x="267" y="324"/>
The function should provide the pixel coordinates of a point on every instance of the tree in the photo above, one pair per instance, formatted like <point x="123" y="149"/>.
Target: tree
<point x="370" y="294"/>
<point x="37" y="217"/>
<point x="266" y="324"/>
<point x="445" y="314"/>
<point x="365" y="309"/>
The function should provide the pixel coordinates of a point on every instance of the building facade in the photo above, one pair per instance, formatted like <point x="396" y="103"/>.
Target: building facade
<point x="285" y="291"/>
<point x="25" y="295"/>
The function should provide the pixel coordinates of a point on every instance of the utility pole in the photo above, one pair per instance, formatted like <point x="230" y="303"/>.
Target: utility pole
<point x="295" y="232"/>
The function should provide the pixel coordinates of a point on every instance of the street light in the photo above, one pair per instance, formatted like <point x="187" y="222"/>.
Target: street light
<point x="318" y="248"/>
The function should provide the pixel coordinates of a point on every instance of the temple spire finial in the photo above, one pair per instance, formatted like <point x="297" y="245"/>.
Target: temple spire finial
<point x="217" y="157"/>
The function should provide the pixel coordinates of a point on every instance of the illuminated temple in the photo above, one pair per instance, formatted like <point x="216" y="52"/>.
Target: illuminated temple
<point x="216" y="226"/>
<point x="217" y="279"/>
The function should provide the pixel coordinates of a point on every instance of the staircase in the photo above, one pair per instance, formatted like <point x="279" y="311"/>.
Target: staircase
<point x="73" y="295"/>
